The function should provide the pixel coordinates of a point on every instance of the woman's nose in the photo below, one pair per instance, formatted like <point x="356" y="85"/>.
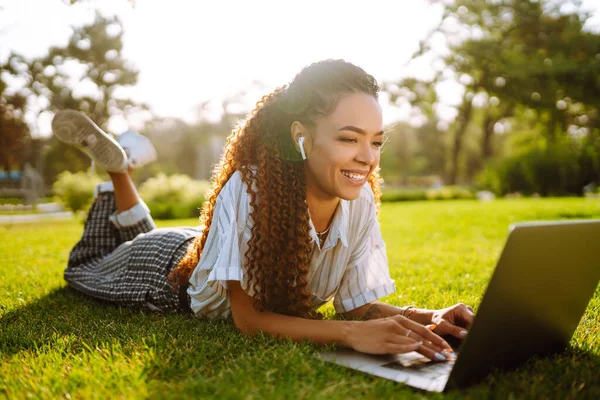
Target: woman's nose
<point x="367" y="154"/>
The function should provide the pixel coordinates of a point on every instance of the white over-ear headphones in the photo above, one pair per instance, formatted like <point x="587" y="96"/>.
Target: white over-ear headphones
<point x="301" y="145"/>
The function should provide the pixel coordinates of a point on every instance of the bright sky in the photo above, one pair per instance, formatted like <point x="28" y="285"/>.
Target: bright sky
<point x="189" y="52"/>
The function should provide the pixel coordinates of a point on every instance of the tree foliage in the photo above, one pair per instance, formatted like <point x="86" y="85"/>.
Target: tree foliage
<point x="14" y="133"/>
<point x="83" y="75"/>
<point x="519" y="58"/>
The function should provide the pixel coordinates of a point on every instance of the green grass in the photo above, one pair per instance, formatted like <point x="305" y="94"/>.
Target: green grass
<point x="57" y="343"/>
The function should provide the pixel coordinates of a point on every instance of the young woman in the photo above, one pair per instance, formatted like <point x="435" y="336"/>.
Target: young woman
<point x="291" y="223"/>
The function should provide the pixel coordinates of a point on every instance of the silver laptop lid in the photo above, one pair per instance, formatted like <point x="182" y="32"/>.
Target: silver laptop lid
<point x="538" y="293"/>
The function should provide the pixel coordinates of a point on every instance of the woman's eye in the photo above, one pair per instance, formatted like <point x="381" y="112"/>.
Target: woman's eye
<point x="354" y="140"/>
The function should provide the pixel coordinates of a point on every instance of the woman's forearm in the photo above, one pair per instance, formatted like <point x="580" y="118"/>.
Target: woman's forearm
<point x="251" y="321"/>
<point x="298" y="329"/>
<point x="384" y="336"/>
<point x="322" y="331"/>
<point x="378" y="309"/>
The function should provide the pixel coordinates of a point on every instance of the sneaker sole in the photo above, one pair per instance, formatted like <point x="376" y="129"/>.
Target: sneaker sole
<point x="76" y="129"/>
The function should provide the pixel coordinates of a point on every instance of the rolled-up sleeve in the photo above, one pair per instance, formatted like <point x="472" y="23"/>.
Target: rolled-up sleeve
<point x="367" y="277"/>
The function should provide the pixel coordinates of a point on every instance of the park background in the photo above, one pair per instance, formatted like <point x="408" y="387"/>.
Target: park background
<point x="494" y="104"/>
<point x="498" y="96"/>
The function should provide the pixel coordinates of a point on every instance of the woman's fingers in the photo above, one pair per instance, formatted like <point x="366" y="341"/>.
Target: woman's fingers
<point x="451" y="329"/>
<point x="395" y="348"/>
<point x="435" y="355"/>
<point x="401" y="333"/>
<point x="420" y="347"/>
<point x="423" y="332"/>
<point x="381" y="337"/>
<point x="461" y="312"/>
<point x="433" y="351"/>
<point x="434" y="338"/>
<point x="467" y="314"/>
<point x="404" y="332"/>
<point x="454" y="320"/>
<point x="433" y="346"/>
<point x="401" y="336"/>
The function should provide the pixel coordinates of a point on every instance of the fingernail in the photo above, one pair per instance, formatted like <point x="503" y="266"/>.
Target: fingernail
<point x="440" y="357"/>
<point x="449" y="350"/>
<point x="431" y="327"/>
<point x="448" y="354"/>
<point x="463" y="333"/>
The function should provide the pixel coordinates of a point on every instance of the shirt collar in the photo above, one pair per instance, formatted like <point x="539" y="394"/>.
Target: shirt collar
<point x="339" y="227"/>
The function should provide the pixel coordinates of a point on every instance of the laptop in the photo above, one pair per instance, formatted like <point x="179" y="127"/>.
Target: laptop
<point x="544" y="279"/>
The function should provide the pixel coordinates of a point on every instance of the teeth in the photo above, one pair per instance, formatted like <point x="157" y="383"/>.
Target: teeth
<point x="354" y="177"/>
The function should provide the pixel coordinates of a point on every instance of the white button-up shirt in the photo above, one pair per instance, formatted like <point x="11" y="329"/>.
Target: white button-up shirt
<point x="351" y="267"/>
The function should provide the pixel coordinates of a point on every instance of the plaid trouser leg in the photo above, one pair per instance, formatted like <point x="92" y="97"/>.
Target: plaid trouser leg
<point x="100" y="236"/>
<point x="127" y="265"/>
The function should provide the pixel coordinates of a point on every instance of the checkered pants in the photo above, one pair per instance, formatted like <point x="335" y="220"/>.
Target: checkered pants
<point x="127" y="265"/>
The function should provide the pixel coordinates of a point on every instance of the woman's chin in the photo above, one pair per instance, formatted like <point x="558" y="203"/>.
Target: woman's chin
<point x="349" y="193"/>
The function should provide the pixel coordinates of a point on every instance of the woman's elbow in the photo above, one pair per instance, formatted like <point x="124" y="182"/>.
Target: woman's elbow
<point x="242" y="326"/>
<point x="245" y="324"/>
<point x="245" y="316"/>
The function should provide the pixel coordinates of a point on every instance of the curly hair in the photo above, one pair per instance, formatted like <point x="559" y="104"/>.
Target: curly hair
<point x="262" y="150"/>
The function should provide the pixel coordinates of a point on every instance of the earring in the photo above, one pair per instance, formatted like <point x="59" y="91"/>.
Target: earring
<point x="301" y="145"/>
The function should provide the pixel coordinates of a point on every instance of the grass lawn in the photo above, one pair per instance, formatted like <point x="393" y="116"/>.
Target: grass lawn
<point x="57" y="343"/>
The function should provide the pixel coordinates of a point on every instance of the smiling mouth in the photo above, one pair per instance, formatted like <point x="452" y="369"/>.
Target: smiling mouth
<point x="355" y="176"/>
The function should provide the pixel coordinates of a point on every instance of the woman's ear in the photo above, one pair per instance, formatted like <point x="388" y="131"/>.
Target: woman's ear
<point x="297" y="131"/>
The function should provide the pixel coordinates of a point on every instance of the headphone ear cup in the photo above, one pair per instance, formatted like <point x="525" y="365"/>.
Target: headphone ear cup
<point x="301" y="146"/>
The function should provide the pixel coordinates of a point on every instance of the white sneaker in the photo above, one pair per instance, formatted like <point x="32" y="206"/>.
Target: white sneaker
<point x="139" y="149"/>
<point x="75" y="128"/>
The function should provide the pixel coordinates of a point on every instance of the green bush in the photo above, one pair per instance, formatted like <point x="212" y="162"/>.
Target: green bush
<point x="489" y="179"/>
<point x="20" y="200"/>
<point x="450" y="193"/>
<point x="75" y="191"/>
<point x="443" y="193"/>
<point x="11" y="200"/>
<point x="558" y="170"/>
<point x="175" y="196"/>
<point x="402" y="194"/>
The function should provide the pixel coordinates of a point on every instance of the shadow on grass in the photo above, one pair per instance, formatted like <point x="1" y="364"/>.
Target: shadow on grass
<point x="198" y="356"/>
<point x="66" y="312"/>
<point x="184" y="348"/>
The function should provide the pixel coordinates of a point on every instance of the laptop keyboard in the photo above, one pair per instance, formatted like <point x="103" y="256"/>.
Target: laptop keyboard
<point x="427" y="369"/>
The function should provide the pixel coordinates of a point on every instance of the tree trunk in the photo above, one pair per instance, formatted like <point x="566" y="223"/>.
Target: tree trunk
<point x="464" y="117"/>
<point x="551" y="134"/>
<point x="488" y="131"/>
<point x="6" y="165"/>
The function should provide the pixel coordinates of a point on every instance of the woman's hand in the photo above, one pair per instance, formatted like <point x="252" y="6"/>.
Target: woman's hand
<point x="396" y="335"/>
<point x="453" y="320"/>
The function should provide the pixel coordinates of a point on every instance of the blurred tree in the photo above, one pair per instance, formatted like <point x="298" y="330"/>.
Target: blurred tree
<point x="424" y="148"/>
<point x="93" y="56"/>
<point x="530" y="53"/>
<point x="191" y="149"/>
<point x="14" y="133"/>
<point x="516" y="54"/>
